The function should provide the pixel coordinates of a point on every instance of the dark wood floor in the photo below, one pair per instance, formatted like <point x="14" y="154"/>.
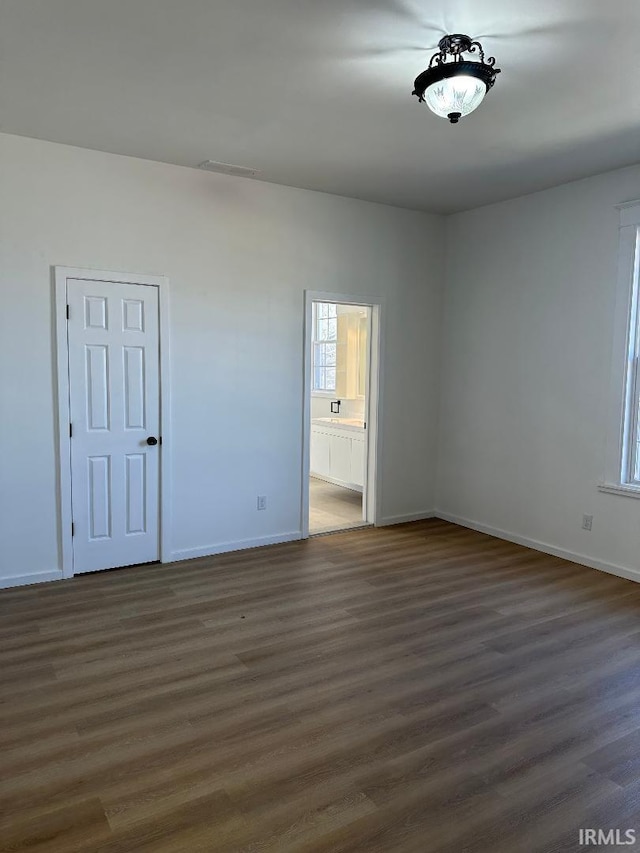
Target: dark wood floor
<point x="415" y="688"/>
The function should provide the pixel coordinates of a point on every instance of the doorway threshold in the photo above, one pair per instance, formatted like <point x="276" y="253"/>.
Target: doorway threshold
<point x="333" y="530"/>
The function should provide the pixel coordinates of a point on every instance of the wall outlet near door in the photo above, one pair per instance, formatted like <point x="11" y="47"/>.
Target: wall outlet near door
<point x="262" y="501"/>
<point x="587" y="522"/>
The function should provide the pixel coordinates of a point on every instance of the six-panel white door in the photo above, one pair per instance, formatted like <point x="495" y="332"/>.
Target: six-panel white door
<point x="115" y="407"/>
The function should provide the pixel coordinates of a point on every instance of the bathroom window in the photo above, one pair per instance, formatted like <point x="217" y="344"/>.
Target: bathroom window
<point x="325" y="346"/>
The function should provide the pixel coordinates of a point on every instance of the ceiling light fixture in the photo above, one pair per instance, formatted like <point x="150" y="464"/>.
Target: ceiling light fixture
<point x="453" y="87"/>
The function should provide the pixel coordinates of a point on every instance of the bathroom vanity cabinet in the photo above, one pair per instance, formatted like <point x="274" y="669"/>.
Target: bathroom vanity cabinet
<point x="338" y="447"/>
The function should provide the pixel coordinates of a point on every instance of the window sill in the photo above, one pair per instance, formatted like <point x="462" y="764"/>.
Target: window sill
<point x="620" y="489"/>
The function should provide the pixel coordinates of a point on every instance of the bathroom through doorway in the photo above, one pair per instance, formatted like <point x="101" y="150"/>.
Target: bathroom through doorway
<point x="341" y="467"/>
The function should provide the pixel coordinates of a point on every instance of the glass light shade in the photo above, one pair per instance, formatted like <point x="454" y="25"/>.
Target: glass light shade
<point x="461" y="94"/>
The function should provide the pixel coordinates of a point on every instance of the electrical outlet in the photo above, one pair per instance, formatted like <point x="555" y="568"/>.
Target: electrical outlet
<point x="262" y="501"/>
<point x="587" y="522"/>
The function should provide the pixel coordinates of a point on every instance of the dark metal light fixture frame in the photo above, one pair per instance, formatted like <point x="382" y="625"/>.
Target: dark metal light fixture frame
<point x="447" y="62"/>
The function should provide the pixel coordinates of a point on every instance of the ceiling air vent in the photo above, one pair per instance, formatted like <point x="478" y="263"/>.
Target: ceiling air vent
<point x="228" y="169"/>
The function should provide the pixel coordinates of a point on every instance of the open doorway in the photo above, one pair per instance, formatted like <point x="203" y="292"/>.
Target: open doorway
<point x="340" y="465"/>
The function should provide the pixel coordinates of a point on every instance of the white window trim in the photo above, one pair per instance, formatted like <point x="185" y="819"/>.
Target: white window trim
<point x="329" y="395"/>
<point x="623" y="371"/>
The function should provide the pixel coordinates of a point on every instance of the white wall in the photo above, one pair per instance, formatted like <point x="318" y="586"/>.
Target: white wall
<point x="528" y="326"/>
<point x="239" y="255"/>
<point x="321" y="407"/>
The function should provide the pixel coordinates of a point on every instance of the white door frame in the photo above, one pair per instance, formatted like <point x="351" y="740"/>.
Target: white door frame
<point x="374" y="400"/>
<point x="61" y="276"/>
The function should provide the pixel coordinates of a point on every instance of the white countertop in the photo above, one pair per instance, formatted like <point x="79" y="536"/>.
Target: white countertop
<point x="347" y="423"/>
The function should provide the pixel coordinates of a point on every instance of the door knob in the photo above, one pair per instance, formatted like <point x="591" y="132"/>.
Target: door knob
<point x="152" y="440"/>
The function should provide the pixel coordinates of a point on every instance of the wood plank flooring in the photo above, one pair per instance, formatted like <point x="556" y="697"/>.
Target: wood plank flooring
<point x="416" y="688"/>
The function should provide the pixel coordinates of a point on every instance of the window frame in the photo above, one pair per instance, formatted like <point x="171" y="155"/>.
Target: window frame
<point x="623" y="453"/>
<point x="322" y="392"/>
<point x="630" y="473"/>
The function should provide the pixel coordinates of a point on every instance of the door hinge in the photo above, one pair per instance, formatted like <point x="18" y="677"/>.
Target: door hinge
<point x="68" y="312"/>
<point x="70" y="430"/>
<point x="73" y="529"/>
<point x="364" y="425"/>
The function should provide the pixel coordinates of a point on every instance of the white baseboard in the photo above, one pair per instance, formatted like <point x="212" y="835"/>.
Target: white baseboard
<point x="403" y="519"/>
<point x="242" y="544"/>
<point x="238" y="545"/>
<point x="581" y="559"/>
<point x="353" y="487"/>
<point x="34" y="577"/>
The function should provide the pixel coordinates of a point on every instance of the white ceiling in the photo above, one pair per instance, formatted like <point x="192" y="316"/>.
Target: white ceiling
<point x="317" y="93"/>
